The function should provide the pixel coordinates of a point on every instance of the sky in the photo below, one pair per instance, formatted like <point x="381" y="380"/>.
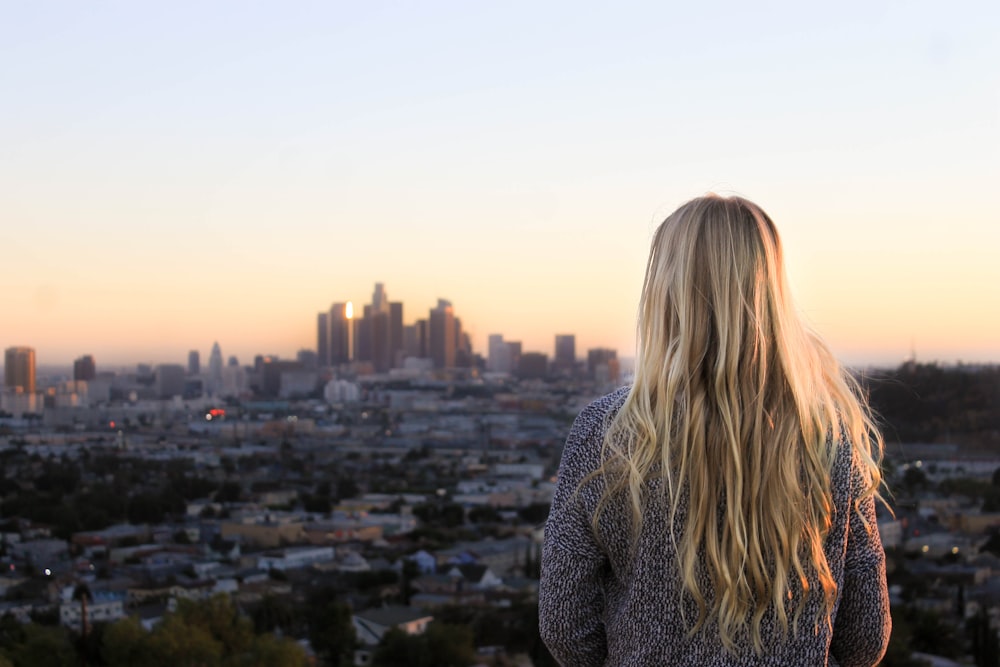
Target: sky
<point x="175" y="174"/>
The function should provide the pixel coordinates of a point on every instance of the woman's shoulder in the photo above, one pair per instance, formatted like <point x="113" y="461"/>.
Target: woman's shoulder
<point x="604" y="406"/>
<point x="596" y="415"/>
<point x="589" y="427"/>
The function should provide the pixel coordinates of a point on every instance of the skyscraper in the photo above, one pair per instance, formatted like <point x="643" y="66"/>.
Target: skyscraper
<point x="339" y="325"/>
<point x="194" y="363"/>
<point x="497" y="359"/>
<point x="323" y="339"/>
<point x="565" y="358"/>
<point x="441" y="330"/>
<point x="19" y="369"/>
<point x="380" y="332"/>
<point x="215" y="370"/>
<point x="84" y="369"/>
<point x="415" y="340"/>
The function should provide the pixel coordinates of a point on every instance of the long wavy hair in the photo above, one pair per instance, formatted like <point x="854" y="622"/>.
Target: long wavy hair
<point x="740" y="409"/>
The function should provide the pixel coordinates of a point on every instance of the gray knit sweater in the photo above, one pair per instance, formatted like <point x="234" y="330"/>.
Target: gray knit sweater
<point x="599" y="606"/>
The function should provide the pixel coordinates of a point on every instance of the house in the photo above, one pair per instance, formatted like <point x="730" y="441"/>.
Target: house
<point x="477" y="576"/>
<point x="426" y="563"/>
<point x="370" y="625"/>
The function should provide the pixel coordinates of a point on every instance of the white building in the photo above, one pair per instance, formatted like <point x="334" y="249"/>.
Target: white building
<point x="104" y="607"/>
<point x="294" y="558"/>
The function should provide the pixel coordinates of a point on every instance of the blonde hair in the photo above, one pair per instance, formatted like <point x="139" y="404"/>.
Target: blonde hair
<point x="740" y="409"/>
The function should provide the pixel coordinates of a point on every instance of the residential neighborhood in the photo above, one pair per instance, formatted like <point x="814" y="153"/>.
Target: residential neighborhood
<point x="345" y="529"/>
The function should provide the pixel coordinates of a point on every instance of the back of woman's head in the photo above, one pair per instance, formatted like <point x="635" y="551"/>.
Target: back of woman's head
<point x="740" y="408"/>
<point x="713" y="300"/>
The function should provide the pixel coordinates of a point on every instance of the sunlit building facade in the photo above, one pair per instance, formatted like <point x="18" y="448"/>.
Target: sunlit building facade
<point x="19" y="369"/>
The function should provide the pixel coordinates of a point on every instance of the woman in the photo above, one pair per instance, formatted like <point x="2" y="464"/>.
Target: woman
<point x="721" y="510"/>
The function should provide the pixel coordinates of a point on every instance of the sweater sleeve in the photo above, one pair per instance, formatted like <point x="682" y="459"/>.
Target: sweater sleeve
<point x="570" y="597"/>
<point x="863" y="622"/>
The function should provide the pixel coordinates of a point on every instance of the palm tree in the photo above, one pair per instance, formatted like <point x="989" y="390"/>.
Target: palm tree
<point x="82" y="593"/>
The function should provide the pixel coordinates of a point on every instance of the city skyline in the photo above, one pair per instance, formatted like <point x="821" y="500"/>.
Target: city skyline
<point x="176" y="175"/>
<point x="349" y="352"/>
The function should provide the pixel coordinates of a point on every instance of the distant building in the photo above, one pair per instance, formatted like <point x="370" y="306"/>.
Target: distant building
<point x="602" y="365"/>
<point x="513" y="355"/>
<point x="271" y="372"/>
<point x="339" y="325"/>
<point x="415" y="340"/>
<point x="341" y="391"/>
<point x="169" y="380"/>
<point x="214" y="385"/>
<point x="379" y="337"/>
<point x="441" y="330"/>
<point x="298" y="382"/>
<point x="497" y="358"/>
<point x="463" y="346"/>
<point x="308" y="359"/>
<point x="565" y="358"/>
<point x="533" y="365"/>
<point x="84" y="368"/>
<point x="194" y="363"/>
<point x="323" y="338"/>
<point x="19" y="369"/>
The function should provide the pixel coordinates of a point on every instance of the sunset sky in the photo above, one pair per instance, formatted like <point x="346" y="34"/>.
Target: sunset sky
<point x="178" y="173"/>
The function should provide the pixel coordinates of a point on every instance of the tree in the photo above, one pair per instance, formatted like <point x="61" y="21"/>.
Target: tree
<point x="331" y="631"/>
<point x="43" y="646"/>
<point x="126" y="643"/>
<point x="176" y="642"/>
<point x="441" y="645"/>
<point x="210" y="633"/>
<point x="985" y="646"/>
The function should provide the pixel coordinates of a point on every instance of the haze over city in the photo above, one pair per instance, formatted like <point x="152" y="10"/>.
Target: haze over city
<point x="179" y="174"/>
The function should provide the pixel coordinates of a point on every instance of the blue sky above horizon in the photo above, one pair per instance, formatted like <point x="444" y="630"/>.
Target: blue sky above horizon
<point x="180" y="173"/>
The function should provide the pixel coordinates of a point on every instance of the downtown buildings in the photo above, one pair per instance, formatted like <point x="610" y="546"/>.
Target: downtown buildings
<point x="376" y="339"/>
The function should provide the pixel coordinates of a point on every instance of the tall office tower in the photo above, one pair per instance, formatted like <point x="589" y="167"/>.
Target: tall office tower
<point x="323" y="339"/>
<point x="363" y="335"/>
<point x="415" y="340"/>
<point x="463" y="346"/>
<point x="423" y="339"/>
<point x="441" y="327"/>
<point x="565" y="358"/>
<point x="194" y="362"/>
<point x="411" y="343"/>
<point x="215" y="370"/>
<point x="496" y="355"/>
<point x="396" y="346"/>
<point x="19" y="368"/>
<point x="380" y="332"/>
<point x="513" y="355"/>
<point x="380" y="301"/>
<point x="84" y="368"/>
<point x="339" y="325"/>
